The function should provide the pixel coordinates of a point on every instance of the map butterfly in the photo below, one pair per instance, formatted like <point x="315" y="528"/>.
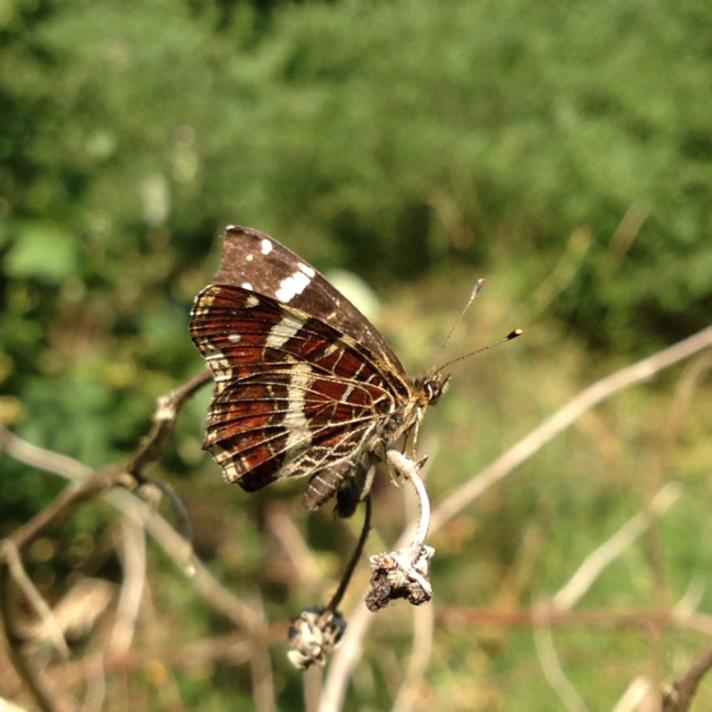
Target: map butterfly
<point x="305" y="386"/>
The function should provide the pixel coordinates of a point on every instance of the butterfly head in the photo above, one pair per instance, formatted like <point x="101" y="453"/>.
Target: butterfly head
<point x="431" y="387"/>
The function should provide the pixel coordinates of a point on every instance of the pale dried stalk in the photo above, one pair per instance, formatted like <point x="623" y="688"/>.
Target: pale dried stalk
<point x="133" y="562"/>
<point x="563" y="418"/>
<point x="47" y="620"/>
<point x="554" y="672"/>
<point x="423" y="627"/>
<point x="634" y="696"/>
<point x="604" y="555"/>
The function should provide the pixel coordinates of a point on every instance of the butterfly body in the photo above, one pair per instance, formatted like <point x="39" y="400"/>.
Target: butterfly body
<point x="304" y="384"/>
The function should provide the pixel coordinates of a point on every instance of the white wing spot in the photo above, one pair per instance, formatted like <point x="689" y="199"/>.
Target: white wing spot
<point x="299" y="433"/>
<point x="282" y="332"/>
<point x="308" y="271"/>
<point x="252" y="301"/>
<point x="246" y="285"/>
<point x="249" y="258"/>
<point x="266" y="246"/>
<point x="290" y="286"/>
<point x="233" y="338"/>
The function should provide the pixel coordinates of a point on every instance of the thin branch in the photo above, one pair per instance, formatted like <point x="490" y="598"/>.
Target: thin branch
<point x="64" y="505"/>
<point x="455" y="618"/>
<point x="423" y="627"/>
<point x="589" y="398"/>
<point x="635" y="694"/>
<point x="40" y="458"/>
<point x="163" y="420"/>
<point x="679" y="697"/>
<point x="10" y="555"/>
<point x="261" y="662"/>
<point x="133" y="562"/>
<point x="594" y="564"/>
<point x="348" y="573"/>
<point x="163" y="534"/>
<point x="554" y="672"/>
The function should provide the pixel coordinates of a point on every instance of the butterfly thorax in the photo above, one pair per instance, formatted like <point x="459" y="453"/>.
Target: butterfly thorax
<point x="424" y="392"/>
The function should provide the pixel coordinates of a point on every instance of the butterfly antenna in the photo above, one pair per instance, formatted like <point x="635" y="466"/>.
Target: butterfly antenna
<point x="511" y="335"/>
<point x="473" y="295"/>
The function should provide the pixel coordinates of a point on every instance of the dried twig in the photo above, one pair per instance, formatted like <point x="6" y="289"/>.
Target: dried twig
<point x="423" y="627"/>
<point x="127" y="474"/>
<point x="682" y="691"/>
<point x="553" y="670"/>
<point x="604" y="555"/>
<point x="133" y="561"/>
<point x="563" y="418"/>
<point x="455" y="618"/>
<point x="635" y="694"/>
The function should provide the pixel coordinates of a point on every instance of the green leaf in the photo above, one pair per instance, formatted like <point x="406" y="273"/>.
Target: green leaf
<point x="42" y="252"/>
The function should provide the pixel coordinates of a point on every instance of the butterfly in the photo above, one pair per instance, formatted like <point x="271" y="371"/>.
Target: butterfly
<point x="305" y="386"/>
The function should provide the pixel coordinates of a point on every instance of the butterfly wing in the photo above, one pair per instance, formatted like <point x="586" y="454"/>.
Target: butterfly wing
<point x="253" y="258"/>
<point x="293" y="395"/>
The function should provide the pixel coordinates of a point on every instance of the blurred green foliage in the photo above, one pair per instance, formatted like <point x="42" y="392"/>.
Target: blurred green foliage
<point x="565" y="149"/>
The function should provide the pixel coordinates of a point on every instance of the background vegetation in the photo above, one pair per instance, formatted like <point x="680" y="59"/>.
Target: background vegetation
<point x="564" y="150"/>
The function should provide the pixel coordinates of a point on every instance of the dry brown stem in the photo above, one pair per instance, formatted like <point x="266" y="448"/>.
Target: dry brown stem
<point x="682" y="691"/>
<point x="128" y="474"/>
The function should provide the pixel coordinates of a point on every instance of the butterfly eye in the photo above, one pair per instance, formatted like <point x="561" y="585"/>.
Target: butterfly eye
<point x="383" y="406"/>
<point x="432" y="391"/>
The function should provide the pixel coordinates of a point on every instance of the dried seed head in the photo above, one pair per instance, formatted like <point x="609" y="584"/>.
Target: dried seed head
<point x="314" y="634"/>
<point x="400" y="574"/>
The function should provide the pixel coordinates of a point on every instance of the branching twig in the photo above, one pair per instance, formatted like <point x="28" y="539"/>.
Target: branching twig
<point x="563" y="418"/>
<point x="64" y="505"/>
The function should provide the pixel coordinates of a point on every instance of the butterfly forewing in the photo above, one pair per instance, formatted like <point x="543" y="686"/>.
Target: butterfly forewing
<point x="254" y="258"/>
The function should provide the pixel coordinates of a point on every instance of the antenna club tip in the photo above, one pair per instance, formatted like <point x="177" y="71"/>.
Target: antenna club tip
<point x="514" y="334"/>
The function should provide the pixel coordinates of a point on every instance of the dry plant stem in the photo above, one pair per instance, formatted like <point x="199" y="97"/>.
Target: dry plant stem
<point x="563" y="418"/>
<point x="260" y="662"/>
<point x="11" y="557"/>
<point x="632" y="698"/>
<point x="163" y="419"/>
<point x="348" y="654"/>
<point x="346" y="578"/>
<point x="64" y="505"/>
<point x="45" y="699"/>
<point x="604" y="555"/>
<point x="173" y="545"/>
<point x="42" y="459"/>
<point x="133" y="562"/>
<point x="312" y="679"/>
<point x="407" y="469"/>
<point x="423" y="626"/>
<point x="456" y="618"/>
<point x="683" y="690"/>
<point x="554" y="672"/>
